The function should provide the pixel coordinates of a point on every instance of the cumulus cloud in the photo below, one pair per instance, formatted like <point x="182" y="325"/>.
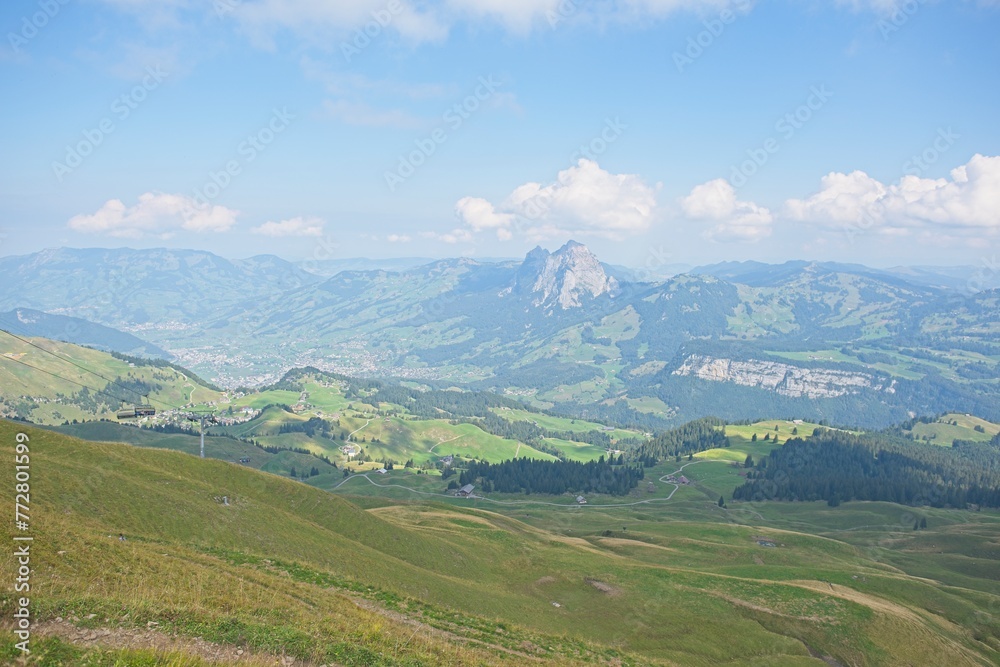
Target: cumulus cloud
<point x="966" y="202"/>
<point x="292" y="227"/>
<point x="737" y="220"/>
<point x="584" y="199"/>
<point x="481" y="215"/>
<point x="398" y="238"/>
<point x="155" y="213"/>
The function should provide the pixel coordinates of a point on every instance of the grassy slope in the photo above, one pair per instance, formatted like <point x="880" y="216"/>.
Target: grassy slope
<point x="943" y="432"/>
<point x="400" y="438"/>
<point x="687" y="592"/>
<point x="18" y="380"/>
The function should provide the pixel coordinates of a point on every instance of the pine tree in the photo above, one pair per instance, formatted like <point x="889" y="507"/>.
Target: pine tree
<point x="753" y="438"/>
<point x="293" y="473"/>
<point x="722" y="501"/>
<point x="748" y="463"/>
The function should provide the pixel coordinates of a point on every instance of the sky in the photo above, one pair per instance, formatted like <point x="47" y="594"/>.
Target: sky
<point x="656" y="132"/>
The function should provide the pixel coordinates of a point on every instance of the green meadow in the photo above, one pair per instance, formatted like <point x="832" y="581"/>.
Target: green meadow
<point x="664" y="577"/>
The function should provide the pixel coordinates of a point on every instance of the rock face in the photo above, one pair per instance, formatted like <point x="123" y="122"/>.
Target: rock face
<point x="564" y="277"/>
<point x="781" y="378"/>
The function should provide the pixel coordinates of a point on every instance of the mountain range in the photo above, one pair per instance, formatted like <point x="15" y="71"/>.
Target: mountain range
<point x="822" y="340"/>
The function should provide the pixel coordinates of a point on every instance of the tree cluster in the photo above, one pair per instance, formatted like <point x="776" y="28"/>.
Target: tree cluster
<point x="691" y="438"/>
<point x="840" y="467"/>
<point x="552" y="477"/>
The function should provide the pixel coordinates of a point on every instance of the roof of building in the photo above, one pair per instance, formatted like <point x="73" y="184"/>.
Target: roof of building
<point x="467" y="488"/>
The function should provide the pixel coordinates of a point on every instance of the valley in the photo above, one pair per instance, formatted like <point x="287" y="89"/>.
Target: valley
<point x="844" y="343"/>
<point x="491" y="333"/>
<point x="519" y="493"/>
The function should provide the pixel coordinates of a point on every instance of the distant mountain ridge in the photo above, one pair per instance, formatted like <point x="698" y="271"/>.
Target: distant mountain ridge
<point x="959" y="278"/>
<point x="26" y="322"/>
<point x="559" y="327"/>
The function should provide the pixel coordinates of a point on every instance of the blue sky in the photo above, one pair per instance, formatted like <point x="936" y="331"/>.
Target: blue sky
<point x="654" y="131"/>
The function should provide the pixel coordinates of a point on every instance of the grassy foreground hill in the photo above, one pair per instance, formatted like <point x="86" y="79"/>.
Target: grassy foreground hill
<point x="230" y="564"/>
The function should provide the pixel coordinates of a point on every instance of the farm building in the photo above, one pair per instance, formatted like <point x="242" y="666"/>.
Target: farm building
<point x="581" y="500"/>
<point x="381" y="471"/>
<point x="465" y="491"/>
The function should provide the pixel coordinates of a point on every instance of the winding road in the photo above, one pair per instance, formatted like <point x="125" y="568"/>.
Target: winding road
<point x="358" y="429"/>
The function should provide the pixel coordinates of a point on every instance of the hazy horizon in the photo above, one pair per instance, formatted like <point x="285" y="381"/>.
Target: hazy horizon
<point x="693" y="132"/>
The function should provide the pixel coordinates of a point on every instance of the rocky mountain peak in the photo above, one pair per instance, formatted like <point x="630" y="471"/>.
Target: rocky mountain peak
<point x="564" y="277"/>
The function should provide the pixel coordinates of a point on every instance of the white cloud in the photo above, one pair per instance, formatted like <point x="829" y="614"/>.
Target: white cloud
<point x="842" y="198"/>
<point x="737" y="220"/>
<point x="967" y="202"/>
<point x="322" y="20"/>
<point x="362" y="101"/>
<point x="518" y="16"/>
<point x="292" y="227"/>
<point x="584" y="199"/>
<point x="457" y="235"/>
<point x="155" y="213"/>
<point x="481" y="215"/>
<point x="398" y="238"/>
<point x="326" y="22"/>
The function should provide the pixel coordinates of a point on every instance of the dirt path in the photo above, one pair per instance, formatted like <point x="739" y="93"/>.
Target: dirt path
<point x="358" y="429"/>
<point x="151" y="638"/>
<point x="431" y="450"/>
